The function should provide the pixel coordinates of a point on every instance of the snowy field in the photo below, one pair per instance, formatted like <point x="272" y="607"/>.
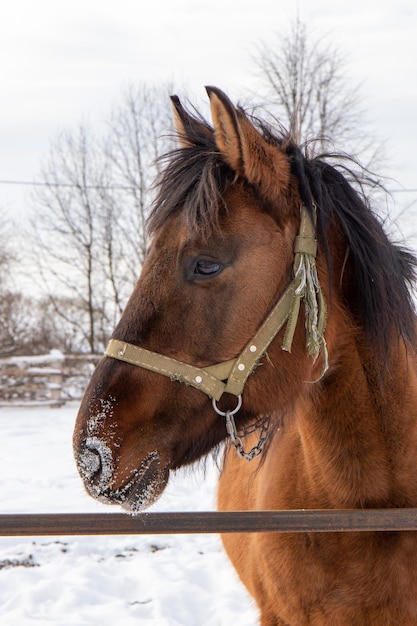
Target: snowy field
<point x="165" y="580"/>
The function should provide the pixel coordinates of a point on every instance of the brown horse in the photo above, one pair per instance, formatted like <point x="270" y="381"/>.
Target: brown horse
<point x="251" y="239"/>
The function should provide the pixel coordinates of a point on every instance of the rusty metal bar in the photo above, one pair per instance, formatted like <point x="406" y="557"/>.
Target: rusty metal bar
<point x="208" y="522"/>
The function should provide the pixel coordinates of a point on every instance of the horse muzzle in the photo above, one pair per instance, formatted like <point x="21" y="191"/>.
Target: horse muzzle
<point x="98" y="470"/>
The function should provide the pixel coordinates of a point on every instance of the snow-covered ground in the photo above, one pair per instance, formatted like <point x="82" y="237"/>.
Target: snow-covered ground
<point x="165" y="580"/>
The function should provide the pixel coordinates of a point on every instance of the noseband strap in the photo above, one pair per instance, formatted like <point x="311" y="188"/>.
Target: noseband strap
<point x="208" y="379"/>
<point x="231" y="376"/>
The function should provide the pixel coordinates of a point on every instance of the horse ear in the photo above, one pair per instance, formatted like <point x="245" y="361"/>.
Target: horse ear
<point x="181" y="122"/>
<point x="245" y="149"/>
<point x="189" y="129"/>
<point x="226" y="128"/>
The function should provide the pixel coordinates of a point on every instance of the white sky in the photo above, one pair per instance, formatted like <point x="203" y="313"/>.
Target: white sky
<point x="64" y="61"/>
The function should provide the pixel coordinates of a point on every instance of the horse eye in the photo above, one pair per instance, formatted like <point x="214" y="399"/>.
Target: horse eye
<point x="206" y="268"/>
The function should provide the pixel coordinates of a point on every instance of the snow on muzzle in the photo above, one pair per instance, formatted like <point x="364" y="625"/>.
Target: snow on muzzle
<point x="143" y="486"/>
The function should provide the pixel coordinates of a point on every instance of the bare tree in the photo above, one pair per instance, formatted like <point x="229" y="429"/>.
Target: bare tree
<point x="8" y="263"/>
<point x="137" y="133"/>
<point x="90" y="214"/>
<point x="305" y="80"/>
<point x="22" y="323"/>
<point x="8" y="255"/>
<point x="67" y="229"/>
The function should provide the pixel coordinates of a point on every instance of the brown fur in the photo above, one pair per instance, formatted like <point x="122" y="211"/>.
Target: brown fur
<point x="348" y="441"/>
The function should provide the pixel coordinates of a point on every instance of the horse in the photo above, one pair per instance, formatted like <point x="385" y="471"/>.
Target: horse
<point x="272" y="325"/>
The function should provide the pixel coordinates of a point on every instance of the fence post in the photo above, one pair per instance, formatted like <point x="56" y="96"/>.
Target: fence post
<point x="55" y="383"/>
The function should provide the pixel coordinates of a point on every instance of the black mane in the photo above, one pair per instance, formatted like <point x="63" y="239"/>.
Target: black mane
<point x="384" y="272"/>
<point x="196" y="177"/>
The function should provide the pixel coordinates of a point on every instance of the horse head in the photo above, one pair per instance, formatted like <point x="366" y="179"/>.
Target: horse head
<point x="221" y="256"/>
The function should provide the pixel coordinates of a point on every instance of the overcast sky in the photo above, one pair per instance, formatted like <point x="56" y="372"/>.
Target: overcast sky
<point x="65" y="61"/>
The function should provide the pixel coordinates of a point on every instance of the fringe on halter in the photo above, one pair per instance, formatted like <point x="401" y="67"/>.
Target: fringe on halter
<point x="309" y="290"/>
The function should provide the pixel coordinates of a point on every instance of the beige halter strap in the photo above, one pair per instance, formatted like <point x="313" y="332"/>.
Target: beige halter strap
<point x="230" y="376"/>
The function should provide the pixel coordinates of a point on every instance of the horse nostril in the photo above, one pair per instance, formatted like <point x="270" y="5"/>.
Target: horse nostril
<point x="91" y="462"/>
<point x="96" y="463"/>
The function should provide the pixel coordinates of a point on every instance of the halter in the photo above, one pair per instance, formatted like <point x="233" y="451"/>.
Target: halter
<point x="231" y="376"/>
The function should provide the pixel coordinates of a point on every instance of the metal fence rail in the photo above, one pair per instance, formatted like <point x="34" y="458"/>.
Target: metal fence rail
<point x="209" y="522"/>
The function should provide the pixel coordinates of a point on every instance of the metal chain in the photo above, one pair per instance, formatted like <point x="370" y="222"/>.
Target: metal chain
<point x="236" y="437"/>
<point x="248" y="430"/>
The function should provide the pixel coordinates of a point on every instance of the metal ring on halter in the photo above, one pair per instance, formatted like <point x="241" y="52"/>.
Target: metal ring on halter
<point x="224" y="413"/>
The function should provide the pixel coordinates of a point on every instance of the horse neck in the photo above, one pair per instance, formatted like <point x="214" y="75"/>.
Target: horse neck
<point x="359" y="433"/>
